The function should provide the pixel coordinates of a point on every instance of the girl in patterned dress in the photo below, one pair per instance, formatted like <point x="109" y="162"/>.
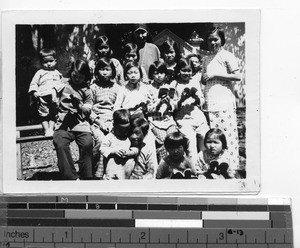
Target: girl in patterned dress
<point x="104" y="91"/>
<point x="178" y="164"/>
<point x="134" y="95"/>
<point x="220" y="71"/>
<point x="215" y="161"/>
<point x="196" y="63"/>
<point x="188" y="100"/>
<point x="103" y="50"/>
<point x="170" y="53"/>
<point x="131" y="54"/>
<point x="161" y="108"/>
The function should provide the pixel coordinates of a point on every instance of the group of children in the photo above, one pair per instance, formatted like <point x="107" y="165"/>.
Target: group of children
<point x="144" y="118"/>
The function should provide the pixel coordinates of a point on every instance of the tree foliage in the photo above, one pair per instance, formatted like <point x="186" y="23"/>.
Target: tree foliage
<point x="74" y="41"/>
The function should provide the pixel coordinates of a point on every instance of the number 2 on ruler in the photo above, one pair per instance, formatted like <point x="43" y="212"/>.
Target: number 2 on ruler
<point x="143" y="235"/>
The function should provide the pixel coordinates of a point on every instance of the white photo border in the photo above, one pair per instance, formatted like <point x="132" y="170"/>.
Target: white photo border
<point x="250" y="185"/>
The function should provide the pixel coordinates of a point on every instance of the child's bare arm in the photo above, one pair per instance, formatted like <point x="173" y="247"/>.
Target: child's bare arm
<point x="107" y="150"/>
<point x="131" y="152"/>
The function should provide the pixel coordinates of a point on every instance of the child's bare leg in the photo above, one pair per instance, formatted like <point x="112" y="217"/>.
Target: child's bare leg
<point x="200" y="143"/>
<point x="128" y="168"/>
<point x="114" y="170"/>
<point x="45" y="125"/>
<point x="51" y="128"/>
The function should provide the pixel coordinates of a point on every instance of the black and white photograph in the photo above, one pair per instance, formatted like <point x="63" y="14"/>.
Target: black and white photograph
<point x="102" y="103"/>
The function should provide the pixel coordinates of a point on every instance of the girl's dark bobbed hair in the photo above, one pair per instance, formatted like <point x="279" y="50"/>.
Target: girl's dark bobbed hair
<point x="183" y="62"/>
<point x="176" y="139"/>
<point x="129" y="65"/>
<point x="158" y="66"/>
<point x="220" y="33"/>
<point x="167" y="46"/>
<point x="217" y="133"/>
<point x="102" y="41"/>
<point x="83" y="68"/>
<point x="130" y="48"/>
<point x="103" y="62"/>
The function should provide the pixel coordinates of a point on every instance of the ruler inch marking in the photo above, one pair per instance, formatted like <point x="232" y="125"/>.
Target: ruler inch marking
<point x="275" y="232"/>
<point x="187" y="236"/>
<point x="265" y="237"/>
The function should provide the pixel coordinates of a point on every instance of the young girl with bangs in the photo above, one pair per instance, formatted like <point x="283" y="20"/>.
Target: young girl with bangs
<point x="162" y="106"/>
<point x="131" y="54"/>
<point x="215" y="161"/>
<point x="177" y="165"/>
<point x="189" y="100"/>
<point x="105" y="92"/>
<point x="196" y="63"/>
<point x="135" y="95"/>
<point x="103" y="50"/>
<point x="170" y="54"/>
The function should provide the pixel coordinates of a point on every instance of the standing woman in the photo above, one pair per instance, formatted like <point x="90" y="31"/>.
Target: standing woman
<point x="220" y="70"/>
<point x="148" y="52"/>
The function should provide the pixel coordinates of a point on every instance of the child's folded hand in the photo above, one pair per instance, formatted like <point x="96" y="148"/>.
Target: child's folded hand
<point x="106" y="127"/>
<point x="118" y="152"/>
<point x="35" y="94"/>
<point x="75" y="101"/>
<point x="97" y="122"/>
<point x="185" y="94"/>
<point x="165" y="99"/>
<point x="206" y="77"/>
<point x="215" y="176"/>
<point x="85" y="108"/>
<point x="201" y="176"/>
<point x="97" y="108"/>
<point x="163" y="108"/>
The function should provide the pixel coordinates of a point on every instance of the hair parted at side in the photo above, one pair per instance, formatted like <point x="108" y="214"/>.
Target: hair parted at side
<point x="169" y="44"/>
<point x="157" y="66"/>
<point x="194" y="55"/>
<point x="103" y="62"/>
<point x="129" y="65"/>
<point x="130" y="48"/>
<point x="220" y="33"/>
<point x="45" y="52"/>
<point x="142" y="123"/>
<point x="182" y="63"/>
<point x="217" y="133"/>
<point x="176" y="139"/>
<point x="102" y="41"/>
<point x="121" y="116"/>
<point x="83" y="68"/>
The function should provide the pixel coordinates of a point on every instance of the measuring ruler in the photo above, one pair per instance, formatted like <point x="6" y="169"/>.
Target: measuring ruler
<point x="79" y="221"/>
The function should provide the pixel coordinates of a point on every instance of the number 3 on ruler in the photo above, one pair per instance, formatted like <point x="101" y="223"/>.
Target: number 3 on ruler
<point x="221" y="236"/>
